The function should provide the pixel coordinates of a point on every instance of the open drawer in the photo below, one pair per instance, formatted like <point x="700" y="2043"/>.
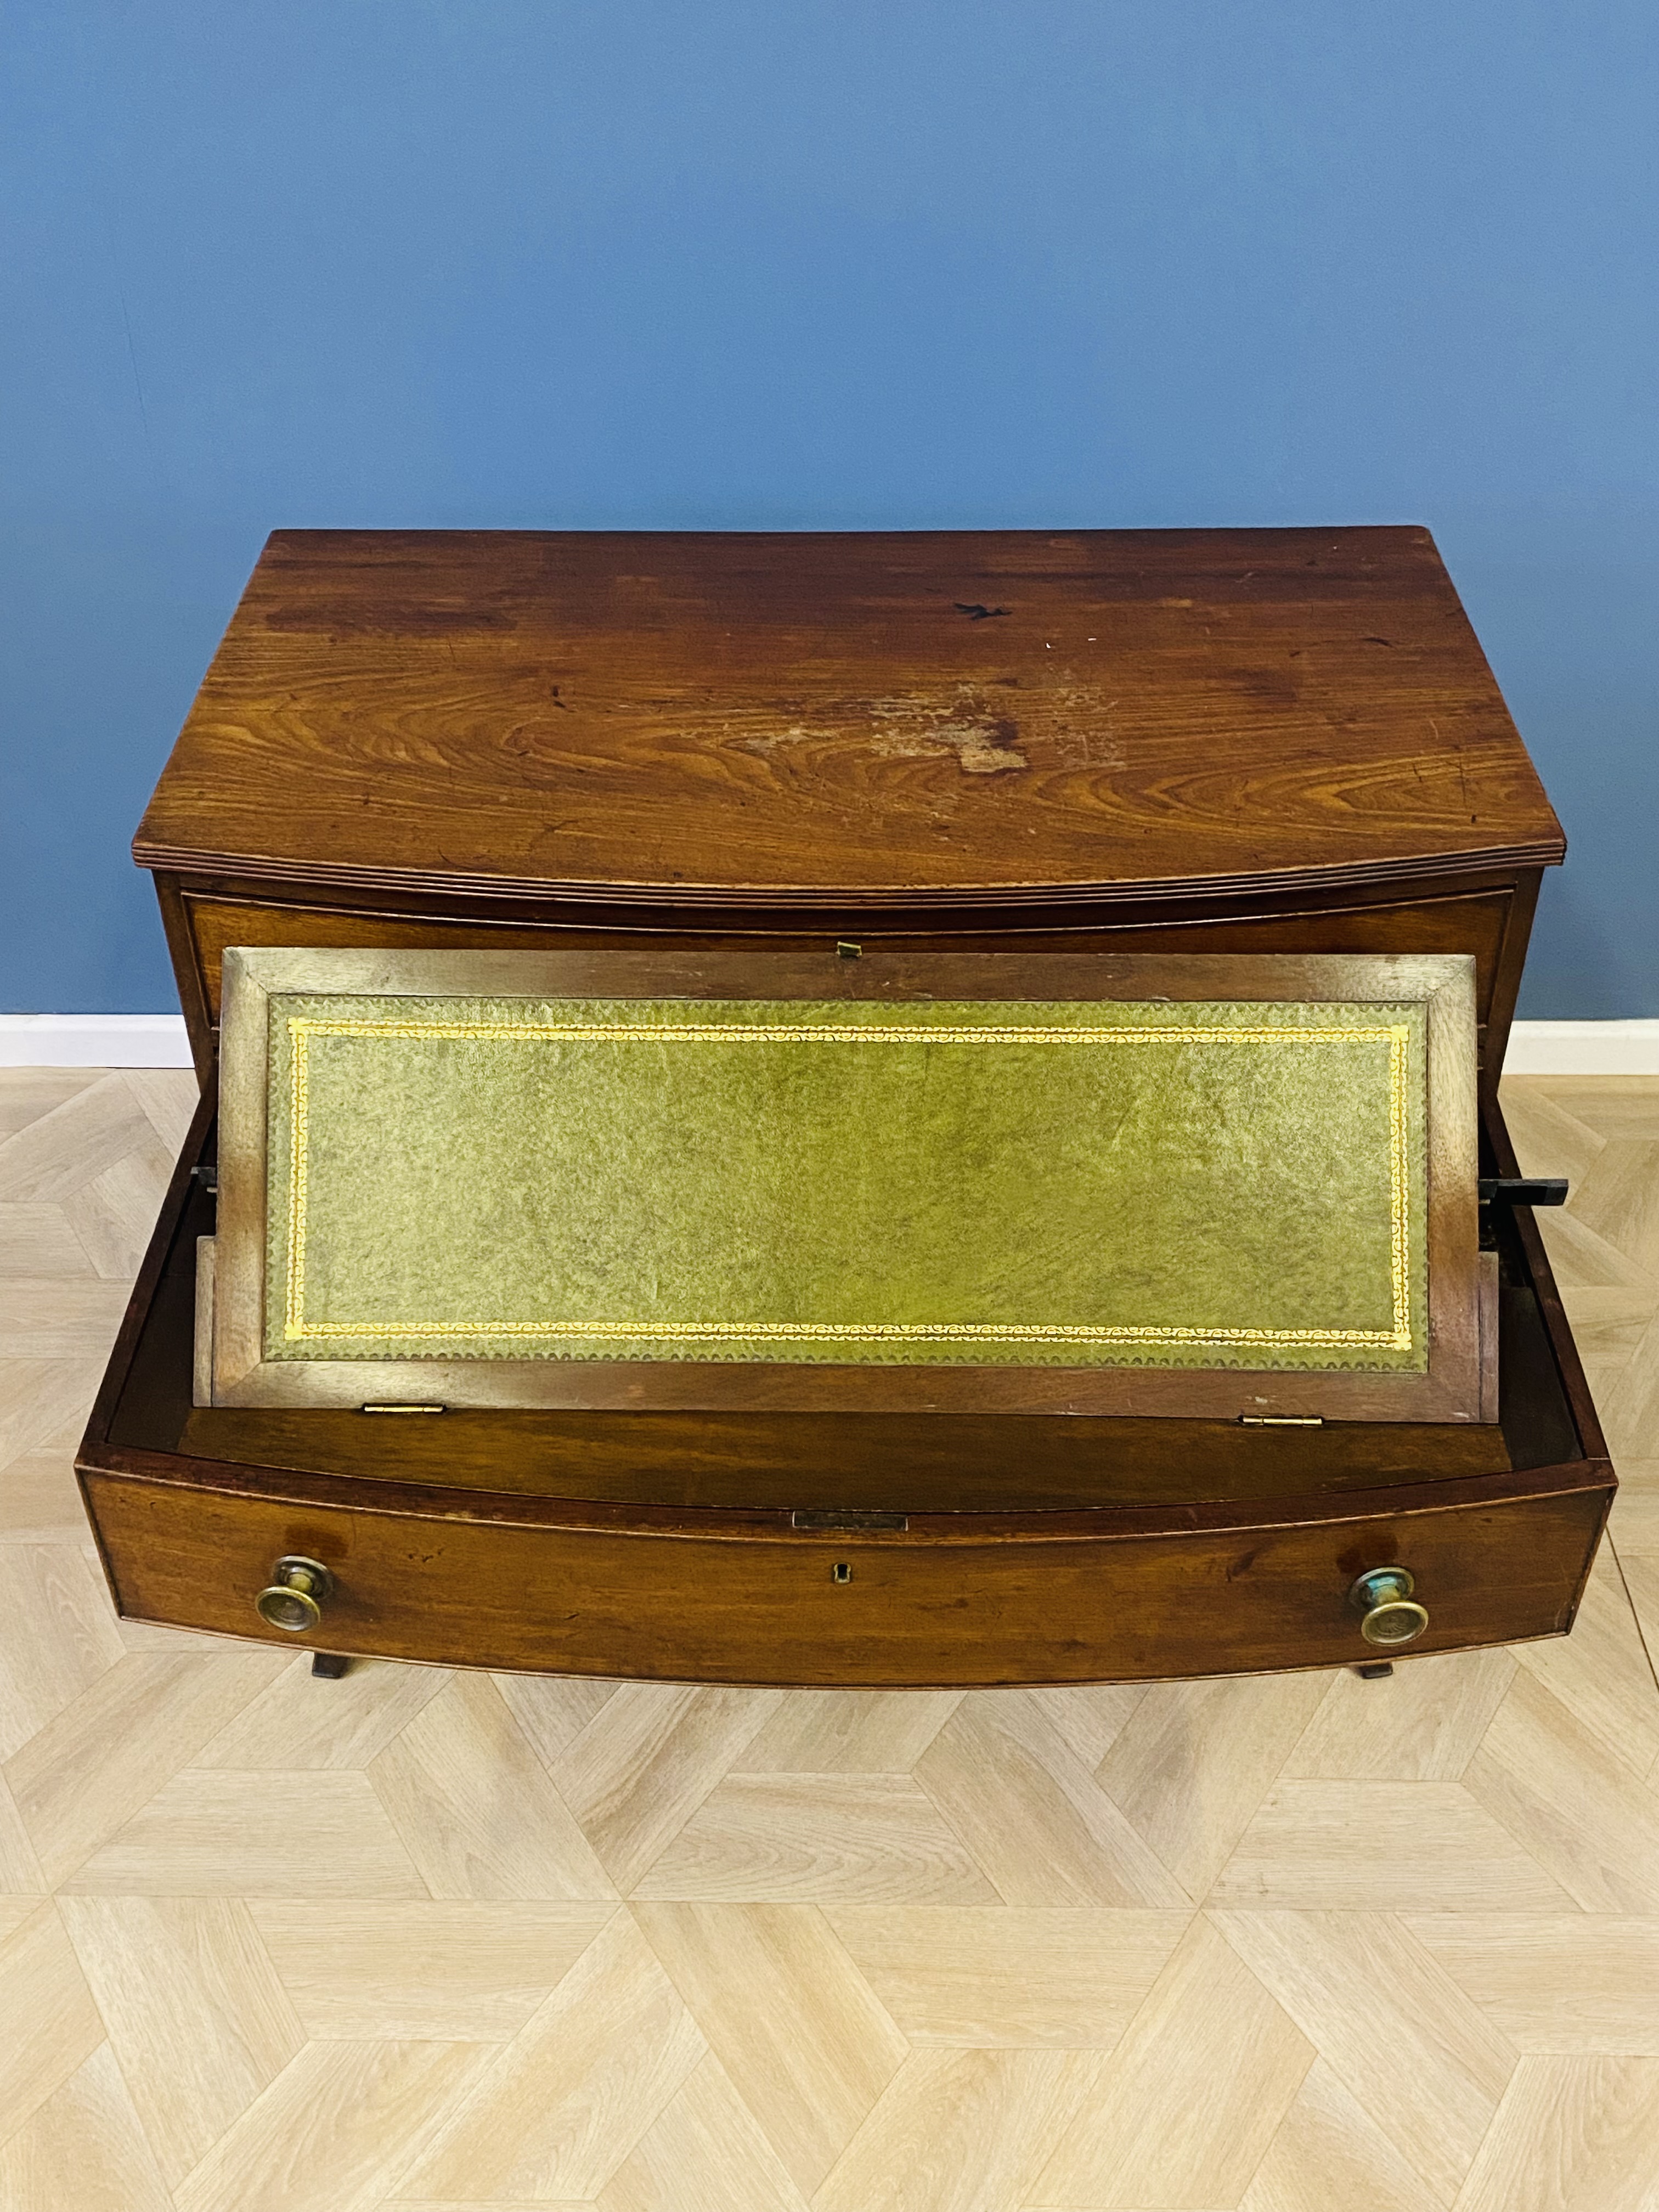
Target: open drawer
<point x="853" y="1548"/>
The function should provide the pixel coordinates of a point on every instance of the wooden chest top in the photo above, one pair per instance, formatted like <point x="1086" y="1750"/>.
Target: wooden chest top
<point x="948" y="719"/>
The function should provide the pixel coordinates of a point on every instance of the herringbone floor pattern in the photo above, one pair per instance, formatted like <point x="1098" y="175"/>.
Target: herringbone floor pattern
<point x="412" y="1942"/>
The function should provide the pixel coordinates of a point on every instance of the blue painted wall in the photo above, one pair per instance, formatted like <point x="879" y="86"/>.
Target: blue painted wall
<point x="849" y="262"/>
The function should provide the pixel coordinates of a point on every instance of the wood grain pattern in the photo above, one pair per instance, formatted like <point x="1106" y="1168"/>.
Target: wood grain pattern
<point x="1441" y="916"/>
<point x="1187" y="2104"/>
<point x="1423" y="2060"/>
<point x="68" y="1639"/>
<point x="197" y="2018"/>
<point x="778" y="1838"/>
<point x="1163" y="1774"/>
<point x="780" y="717"/>
<point x="1447" y="1895"/>
<point x="458" y="1780"/>
<point x="193" y="1839"/>
<point x="288" y="1727"/>
<point x="102" y="1758"/>
<point x="793" y="2021"/>
<point x="1327" y="1846"/>
<point x="1572" y="2132"/>
<point x="1329" y="2155"/>
<point x="54" y="2024"/>
<point x="85" y="2147"/>
<point x="334" y="2130"/>
<point x="1563" y="1984"/>
<point x="1272" y="741"/>
<point x="1111" y="1604"/>
<point x="563" y="2104"/>
<point x="705" y="2151"/>
<point x="428" y="1970"/>
<point x="938" y="1462"/>
<point x="648" y="1760"/>
<point x="848" y="1732"/>
<point x="1580" y="1811"/>
<point x="1036" y="1819"/>
<point x="1007" y="1975"/>
<point x="961" y="2130"/>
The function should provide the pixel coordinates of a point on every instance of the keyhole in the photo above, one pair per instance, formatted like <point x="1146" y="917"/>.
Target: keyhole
<point x="841" y="1572"/>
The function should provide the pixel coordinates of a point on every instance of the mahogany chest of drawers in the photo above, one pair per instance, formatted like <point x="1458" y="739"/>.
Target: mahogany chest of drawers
<point x="1081" y="742"/>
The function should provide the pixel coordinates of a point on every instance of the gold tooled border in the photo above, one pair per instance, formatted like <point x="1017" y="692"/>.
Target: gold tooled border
<point x="301" y="1029"/>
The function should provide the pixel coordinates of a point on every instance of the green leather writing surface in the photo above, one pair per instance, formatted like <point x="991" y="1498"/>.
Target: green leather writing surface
<point x="990" y="1183"/>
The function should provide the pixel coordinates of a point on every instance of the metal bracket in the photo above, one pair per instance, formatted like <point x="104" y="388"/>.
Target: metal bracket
<point x="1523" y="1190"/>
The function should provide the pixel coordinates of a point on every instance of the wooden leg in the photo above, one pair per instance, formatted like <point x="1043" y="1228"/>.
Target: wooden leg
<point x="1375" y="1670"/>
<point x="330" y="1665"/>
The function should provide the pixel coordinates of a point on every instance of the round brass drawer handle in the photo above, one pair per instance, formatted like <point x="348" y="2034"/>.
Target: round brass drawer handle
<point x="294" y="1599"/>
<point x="1389" y="1614"/>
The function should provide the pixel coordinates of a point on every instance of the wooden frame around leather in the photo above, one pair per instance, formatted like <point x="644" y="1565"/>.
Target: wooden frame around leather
<point x="1458" y="1386"/>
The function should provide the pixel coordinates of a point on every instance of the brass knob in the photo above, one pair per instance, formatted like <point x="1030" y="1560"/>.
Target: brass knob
<point x="294" y="1599"/>
<point x="1389" y="1614"/>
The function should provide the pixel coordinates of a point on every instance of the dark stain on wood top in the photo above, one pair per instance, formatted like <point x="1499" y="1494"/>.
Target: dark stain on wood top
<point x="738" y="720"/>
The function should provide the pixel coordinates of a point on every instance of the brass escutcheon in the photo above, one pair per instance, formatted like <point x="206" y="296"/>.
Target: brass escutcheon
<point x="1389" y="1614"/>
<point x="293" y="1598"/>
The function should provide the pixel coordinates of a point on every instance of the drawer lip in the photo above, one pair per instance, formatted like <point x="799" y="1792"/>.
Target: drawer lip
<point x="718" y="901"/>
<point x="181" y="889"/>
<point x="98" y="1454"/>
<point x="764" y="1525"/>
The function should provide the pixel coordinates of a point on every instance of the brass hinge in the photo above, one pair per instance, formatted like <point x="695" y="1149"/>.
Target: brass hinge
<point x="401" y="1409"/>
<point x="1281" y="1420"/>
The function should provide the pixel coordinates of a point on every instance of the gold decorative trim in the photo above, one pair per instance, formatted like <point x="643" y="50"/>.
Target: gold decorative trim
<point x="301" y="1029"/>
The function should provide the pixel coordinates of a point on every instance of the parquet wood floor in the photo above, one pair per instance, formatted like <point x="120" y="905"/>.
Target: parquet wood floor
<point x="412" y="1942"/>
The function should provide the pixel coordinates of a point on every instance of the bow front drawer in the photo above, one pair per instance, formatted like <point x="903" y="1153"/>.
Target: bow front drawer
<point x="864" y="1607"/>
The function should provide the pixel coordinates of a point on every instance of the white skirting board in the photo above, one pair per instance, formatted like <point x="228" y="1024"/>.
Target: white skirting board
<point x="158" y="1041"/>
<point x="1584" y="1048"/>
<point x="93" y="1040"/>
